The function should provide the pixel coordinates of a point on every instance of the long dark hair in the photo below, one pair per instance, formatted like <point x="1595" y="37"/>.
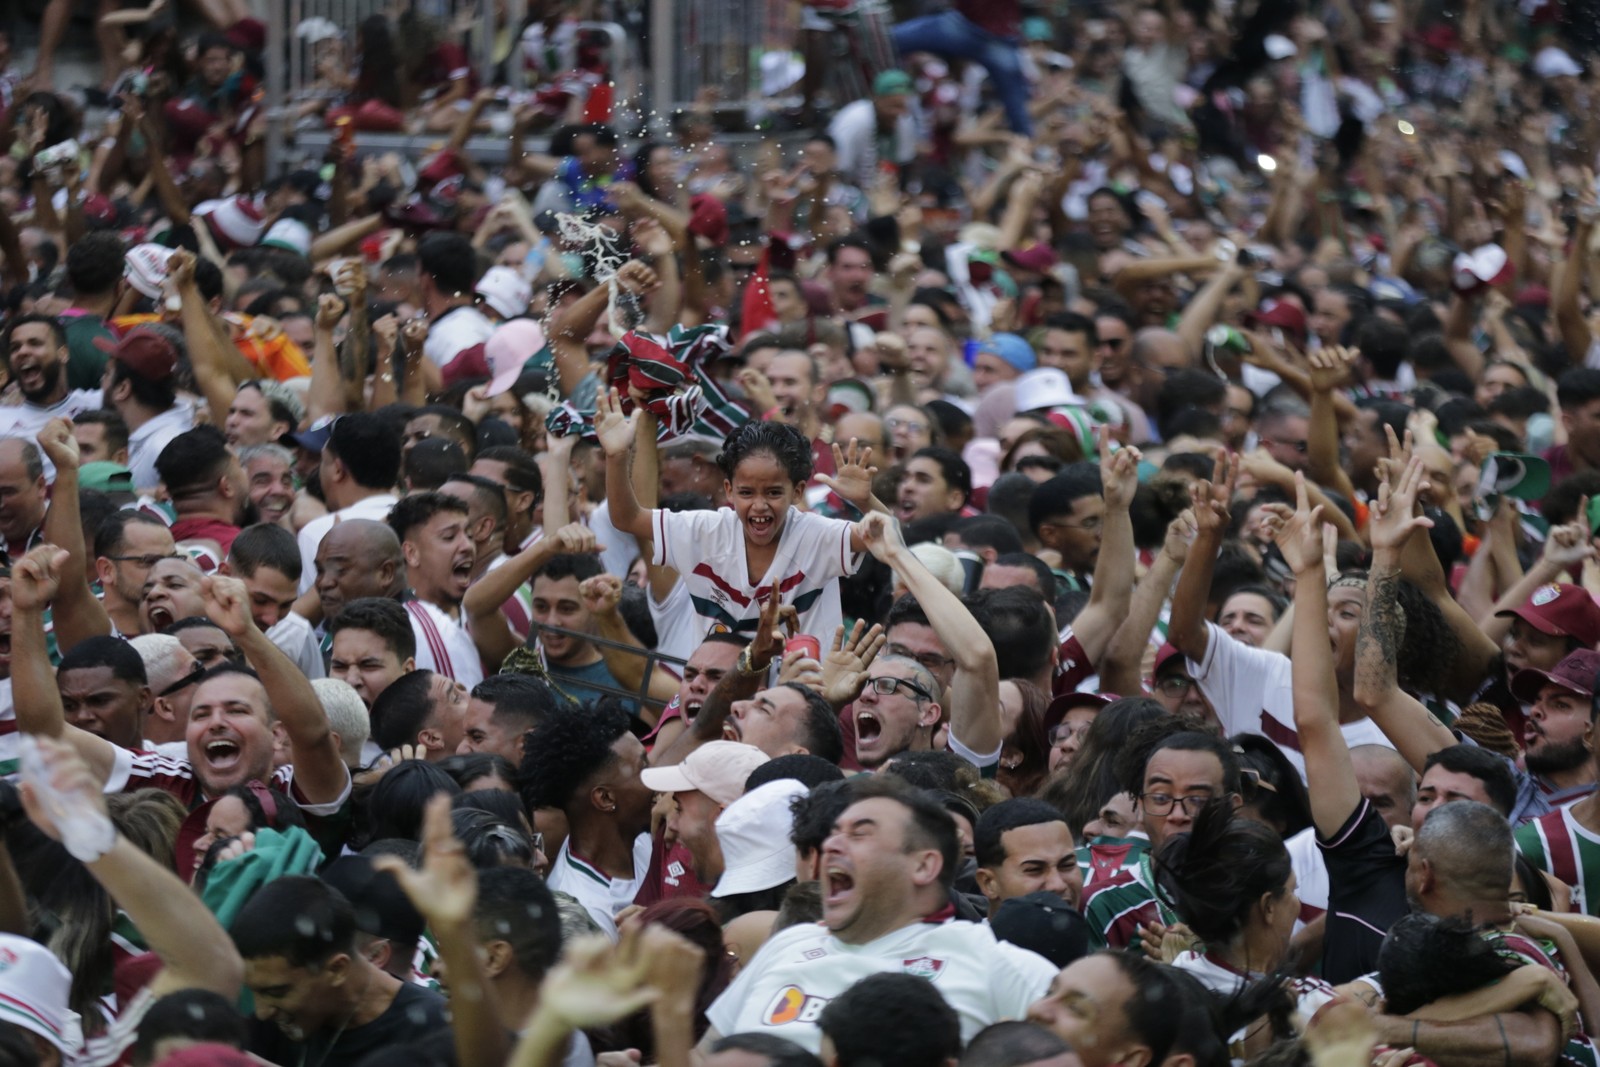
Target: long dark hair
<point x="380" y="64"/>
<point x="1214" y="874"/>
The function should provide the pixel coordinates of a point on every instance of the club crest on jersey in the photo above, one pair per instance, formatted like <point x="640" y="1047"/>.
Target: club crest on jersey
<point x="793" y="1005"/>
<point x="923" y="967"/>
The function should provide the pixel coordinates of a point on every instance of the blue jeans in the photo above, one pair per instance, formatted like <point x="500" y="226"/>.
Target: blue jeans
<point x="954" y="36"/>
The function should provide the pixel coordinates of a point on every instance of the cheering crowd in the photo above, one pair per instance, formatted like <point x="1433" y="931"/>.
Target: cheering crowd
<point x="1076" y="544"/>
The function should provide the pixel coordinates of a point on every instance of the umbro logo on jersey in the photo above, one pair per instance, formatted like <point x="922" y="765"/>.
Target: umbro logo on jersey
<point x="792" y="1005"/>
<point x="923" y="967"/>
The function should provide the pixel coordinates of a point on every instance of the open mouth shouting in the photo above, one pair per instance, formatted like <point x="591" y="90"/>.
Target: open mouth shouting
<point x="221" y="755"/>
<point x="461" y="570"/>
<point x="762" y="526"/>
<point x="869" y="731"/>
<point x="159" y="615"/>
<point x="838" y="886"/>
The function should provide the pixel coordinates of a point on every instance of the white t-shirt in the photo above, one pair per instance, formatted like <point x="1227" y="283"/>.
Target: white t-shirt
<point x="620" y="548"/>
<point x="679" y="630"/>
<point x="311" y="534"/>
<point x="601" y="896"/>
<point x="26" y="420"/>
<point x="454" y="332"/>
<point x="707" y="550"/>
<point x="1252" y="692"/>
<point x="1311" y="994"/>
<point x="296" y="639"/>
<point x="443" y="645"/>
<point x="146" y="443"/>
<point x="854" y="130"/>
<point x="783" y="990"/>
<point x="1310" y="874"/>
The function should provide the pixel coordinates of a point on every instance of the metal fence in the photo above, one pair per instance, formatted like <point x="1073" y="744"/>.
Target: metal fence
<point x="693" y="45"/>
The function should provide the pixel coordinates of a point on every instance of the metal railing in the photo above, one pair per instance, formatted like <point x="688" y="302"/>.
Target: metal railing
<point x="650" y="656"/>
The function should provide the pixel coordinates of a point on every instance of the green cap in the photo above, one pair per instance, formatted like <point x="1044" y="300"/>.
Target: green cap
<point x="1514" y="474"/>
<point x="1037" y="29"/>
<point x="891" y="83"/>
<point x="105" y="477"/>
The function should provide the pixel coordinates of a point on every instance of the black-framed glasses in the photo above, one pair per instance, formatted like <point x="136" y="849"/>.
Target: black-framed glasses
<point x="888" y="684"/>
<point x="1299" y="446"/>
<point x="146" y="561"/>
<point x="1163" y="803"/>
<point x="195" y="674"/>
<point x="1176" y="685"/>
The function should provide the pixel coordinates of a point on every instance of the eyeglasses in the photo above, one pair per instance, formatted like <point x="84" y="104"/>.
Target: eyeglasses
<point x="144" y="561"/>
<point x="196" y="672"/>
<point x="931" y="660"/>
<point x="892" y="426"/>
<point x="1162" y="803"/>
<point x="1298" y="446"/>
<point x="1176" y="685"/>
<point x="887" y="684"/>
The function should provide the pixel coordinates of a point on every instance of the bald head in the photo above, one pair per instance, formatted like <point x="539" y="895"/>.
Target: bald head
<point x="1386" y="781"/>
<point x="1160" y="349"/>
<point x="1463" y="853"/>
<point x="358" y="558"/>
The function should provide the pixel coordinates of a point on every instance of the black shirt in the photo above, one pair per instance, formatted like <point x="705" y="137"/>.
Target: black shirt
<point x="415" y="1013"/>
<point x="1366" y="893"/>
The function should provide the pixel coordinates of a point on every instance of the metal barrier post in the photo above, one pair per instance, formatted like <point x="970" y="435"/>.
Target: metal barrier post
<point x="663" y="60"/>
<point x="275" y="93"/>
<point x="651" y="658"/>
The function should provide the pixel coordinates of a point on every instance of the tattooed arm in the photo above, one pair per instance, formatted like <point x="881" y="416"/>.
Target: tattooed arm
<point x="1410" y="727"/>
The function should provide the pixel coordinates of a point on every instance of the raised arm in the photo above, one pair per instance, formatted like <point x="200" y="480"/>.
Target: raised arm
<point x="974" y="700"/>
<point x="616" y="431"/>
<point x="572" y="327"/>
<point x="1121" y="669"/>
<point x="78" y="612"/>
<point x="490" y="631"/>
<point x="601" y="596"/>
<point x="201" y="339"/>
<point x="1112" y="589"/>
<point x="1570" y="321"/>
<point x="1330" y="369"/>
<point x="748" y="676"/>
<point x="1565" y="550"/>
<point x="1409" y="726"/>
<point x="320" y="774"/>
<point x="34" y="581"/>
<point x="444" y="890"/>
<point x="1330" y="774"/>
<point x="1202" y="311"/>
<point x="1186" y="628"/>
<point x="196" y="952"/>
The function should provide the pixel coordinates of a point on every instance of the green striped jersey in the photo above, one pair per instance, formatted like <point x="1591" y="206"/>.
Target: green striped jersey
<point x="1559" y="845"/>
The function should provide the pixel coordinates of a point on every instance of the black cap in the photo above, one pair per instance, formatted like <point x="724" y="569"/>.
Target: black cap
<point x="1044" y="923"/>
<point x="382" y="908"/>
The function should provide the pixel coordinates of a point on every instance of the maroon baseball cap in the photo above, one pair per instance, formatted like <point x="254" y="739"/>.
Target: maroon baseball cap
<point x="1282" y="314"/>
<point x="1575" y="672"/>
<point x="145" y="352"/>
<point x="1067" y="701"/>
<point x="709" y="219"/>
<point x="1163" y="655"/>
<point x="1561" y="610"/>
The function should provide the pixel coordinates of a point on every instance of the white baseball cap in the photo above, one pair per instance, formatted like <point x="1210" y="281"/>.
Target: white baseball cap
<point x="718" y="769"/>
<point x="34" y="987"/>
<point x="754" y="834"/>
<point x="505" y="290"/>
<point x="1044" y="387"/>
<point x="145" y="267"/>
